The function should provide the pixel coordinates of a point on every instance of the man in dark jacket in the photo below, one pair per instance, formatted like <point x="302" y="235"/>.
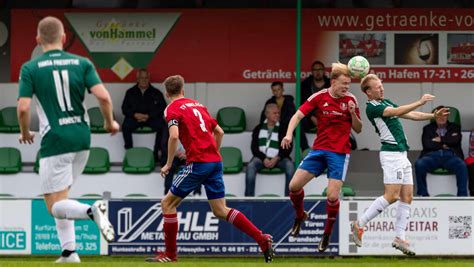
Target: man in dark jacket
<point x="142" y="106"/>
<point x="266" y="150"/>
<point x="441" y="149"/>
<point x="315" y="82"/>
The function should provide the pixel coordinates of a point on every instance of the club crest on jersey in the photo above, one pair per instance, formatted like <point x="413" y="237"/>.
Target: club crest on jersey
<point x="343" y="106"/>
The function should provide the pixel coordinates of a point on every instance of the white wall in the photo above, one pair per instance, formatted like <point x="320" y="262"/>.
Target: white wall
<point x="252" y="96"/>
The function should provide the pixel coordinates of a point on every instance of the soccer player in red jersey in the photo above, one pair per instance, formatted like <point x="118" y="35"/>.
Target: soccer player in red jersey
<point x="201" y="136"/>
<point x="336" y="112"/>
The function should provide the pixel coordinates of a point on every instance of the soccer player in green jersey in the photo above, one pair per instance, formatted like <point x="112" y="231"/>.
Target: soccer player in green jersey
<point x="397" y="173"/>
<point x="58" y="81"/>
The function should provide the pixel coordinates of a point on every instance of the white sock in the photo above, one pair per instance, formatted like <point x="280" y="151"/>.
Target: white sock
<point x="403" y="214"/>
<point x="374" y="209"/>
<point x="66" y="234"/>
<point x="70" y="209"/>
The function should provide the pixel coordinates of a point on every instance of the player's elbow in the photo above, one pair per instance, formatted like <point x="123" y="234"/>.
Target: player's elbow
<point x="23" y="109"/>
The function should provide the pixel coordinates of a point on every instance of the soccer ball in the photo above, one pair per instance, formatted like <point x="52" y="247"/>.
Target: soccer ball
<point x="358" y="67"/>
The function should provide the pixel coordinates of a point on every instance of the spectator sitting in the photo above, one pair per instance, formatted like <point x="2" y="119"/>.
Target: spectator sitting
<point x="315" y="82"/>
<point x="470" y="163"/>
<point x="142" y="106"/>
<point x="178" y="163"/>
<point x="266" y="150"/>
<point x="441" y="149"/>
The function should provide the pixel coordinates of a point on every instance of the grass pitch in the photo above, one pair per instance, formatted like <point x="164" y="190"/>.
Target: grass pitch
<point x="135" y="261"/>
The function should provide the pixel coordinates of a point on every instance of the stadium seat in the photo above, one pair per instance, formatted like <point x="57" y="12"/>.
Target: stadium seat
<point x="230" y="195"/>
<point x="445" y="195"/>
<point x="275" y="170"/>
<point x="10" y="160"/>
<point x="5" y="195"/>
<point x="36" y="167"/>
<point x="138" y="160"/>
<point x="232" y="159"/>
<point x="91" y="195"/>
<point x="144" y="130"/>
<point x="346" y="190"/>
<point x="9" y="120"/>
<point x="98" y="161"/>
<point x="231" y="119"/>
<point x="96" y="120"/>
<point x="269" y="195"/>
<point x="454" y="115"/>
<point x="136" y="195"/>
<point x="441" y="171"/>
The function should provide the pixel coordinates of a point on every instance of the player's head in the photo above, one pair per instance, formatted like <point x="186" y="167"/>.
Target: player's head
<point x="50" y="32"/>
<point x="143" y="78"/>
<point x="340" y="79"/>
<point x="272" y="112"/>
<point x="317" y="70"/>
<point x="277" y="89"/>
<point x="174" y="86"/>
<point x="372" y="86"/>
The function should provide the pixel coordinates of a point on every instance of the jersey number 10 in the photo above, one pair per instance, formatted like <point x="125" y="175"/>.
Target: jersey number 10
<point x="61" y="82"/>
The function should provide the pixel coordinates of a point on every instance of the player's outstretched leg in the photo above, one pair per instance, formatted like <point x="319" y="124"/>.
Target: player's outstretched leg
<point x="403" y="246"/>
<point x="357" y="227"/>
<point x="297" y="201"/>
<point x="67" y="239"/>
<point x="99" y="210"/>
<point x="332" y="209"/>
<point x="265" y="241"/>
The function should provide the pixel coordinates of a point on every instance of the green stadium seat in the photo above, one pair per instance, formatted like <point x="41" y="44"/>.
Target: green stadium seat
<point x="10" y="160"/>
<point x="92" y="195"/>
<point x="232" y="159"/>
<point x="441" y="171"/>
<point x="98" y="162"/>
<point x="96" y="120"/>
<point x="269" y="195"/>
<point x="347" y="191"/>
<point x="231" y="119"/>
<point x="5" y="195"/>
<point x="138" y="160"/>
<point x="136" y="195"/>
<point x="454" y="115"/>
<point x="445" y="195"/>
<point x="36" y="167"/>
<point x="9" y="120"/>
<point x="275" y="170"/>
<point x="230" y="195"/>
<point x="313" y="195"/>
<point x="144" y="130"/>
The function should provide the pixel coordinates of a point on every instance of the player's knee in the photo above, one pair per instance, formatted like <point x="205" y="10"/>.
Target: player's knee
<point x="407" y="199"/>
<point x="392" y="197"/>
<point x="220" y="213"/>
<point x="165" y="205"/>
<point x="294" y="187"/>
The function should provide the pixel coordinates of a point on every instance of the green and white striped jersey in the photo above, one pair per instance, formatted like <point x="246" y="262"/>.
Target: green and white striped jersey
<point x="389" y="129"/>
<point x="58" y="80"/>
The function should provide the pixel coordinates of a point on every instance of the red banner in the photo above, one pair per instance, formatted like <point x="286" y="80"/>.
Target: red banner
<point x="258" y="45"/>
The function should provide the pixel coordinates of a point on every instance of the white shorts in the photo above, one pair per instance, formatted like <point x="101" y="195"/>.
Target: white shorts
<point x="59" y="172"/>
<point x="396" y="168"/>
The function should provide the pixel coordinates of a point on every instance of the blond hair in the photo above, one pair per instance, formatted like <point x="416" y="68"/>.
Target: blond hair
<point x="50" y="30"/>
<point x="174" y="85"/>
<point x="364" y="83"/>
<point x="339" y="69"/>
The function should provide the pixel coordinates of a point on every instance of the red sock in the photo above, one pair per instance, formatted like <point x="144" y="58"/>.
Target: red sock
<point x="239" y="220"/>
<point x="170" y="227"/>
<point x="297" y="202"/>
<point x="332" y="209"/>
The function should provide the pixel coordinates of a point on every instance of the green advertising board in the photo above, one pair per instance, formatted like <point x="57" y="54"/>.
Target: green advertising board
<point x="44" y="238"/>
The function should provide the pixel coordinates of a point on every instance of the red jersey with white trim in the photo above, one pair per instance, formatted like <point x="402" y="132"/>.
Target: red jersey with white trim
<point x="334" y="120"/>
<point x="196" y="127"/>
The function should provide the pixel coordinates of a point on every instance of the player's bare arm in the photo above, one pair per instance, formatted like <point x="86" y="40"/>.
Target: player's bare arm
<point x="423" y="116"/>
<point x="356" y="121"/>
<point x="402" y="110"/>
<point x="23" y="110"/>
<point x="286" y="142"/>
<point x="105" y="103"/>
<point x="218" y="135"/>
<point x="172" y="147"/>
